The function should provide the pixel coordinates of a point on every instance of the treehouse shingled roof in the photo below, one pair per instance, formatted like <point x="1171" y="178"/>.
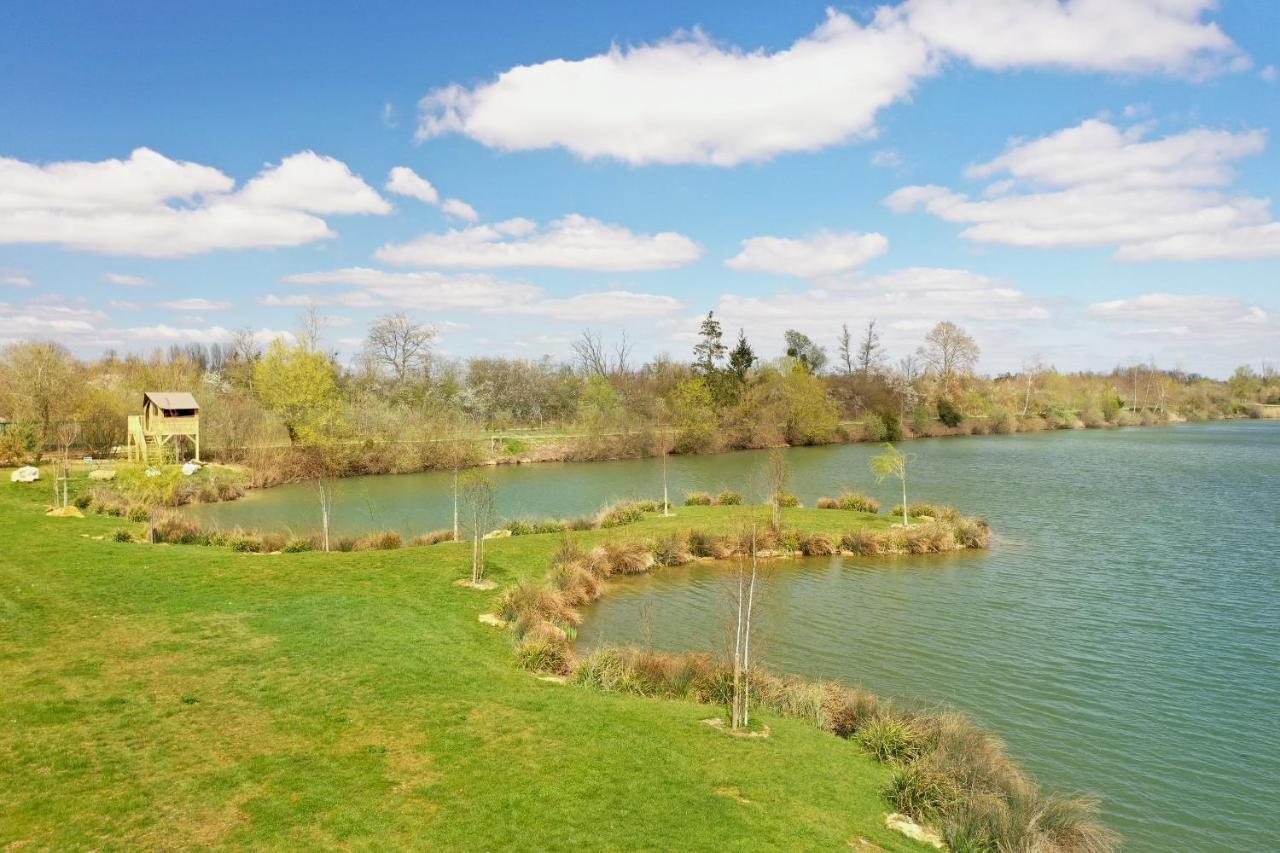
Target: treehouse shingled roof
<point x="167" y="416"/>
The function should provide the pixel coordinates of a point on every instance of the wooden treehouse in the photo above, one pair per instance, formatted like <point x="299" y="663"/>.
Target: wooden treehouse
<point x="165" y="416"/>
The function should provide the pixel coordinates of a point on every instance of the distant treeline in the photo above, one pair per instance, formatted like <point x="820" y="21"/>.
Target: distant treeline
<point x="400" y="406"/>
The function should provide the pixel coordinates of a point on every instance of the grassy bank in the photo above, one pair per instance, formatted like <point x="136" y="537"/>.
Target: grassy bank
<point x="179" y="696"/>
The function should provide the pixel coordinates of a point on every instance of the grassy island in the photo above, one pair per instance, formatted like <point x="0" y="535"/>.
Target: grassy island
<point x="171" y="695"/>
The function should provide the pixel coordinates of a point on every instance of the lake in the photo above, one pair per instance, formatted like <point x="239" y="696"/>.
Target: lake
<point x="1122" y="634"/>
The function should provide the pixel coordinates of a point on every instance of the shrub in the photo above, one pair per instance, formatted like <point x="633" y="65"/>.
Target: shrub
<point x="138" y="512"/>
<point x="343" y="543"/>
<point x="82" y="500"/>
<point x="890" y="739"/>
<point x="697" y="499"/>
<point x="949" y="413"/>
<point x="435" y="537"/>
<point x="383" y="540"/>
<point x="873" y="428"/>
<point x="297" y="546"/>
<point x="827" y="503"/>
<point x="728" y="498"/>
<point x="122" y="535"/>
<point x="921" y="423"/>
<point x="576" y="585"/>
<point x="786" y="500"/>
<point x="1003" y="422"/>
<point x="585" y="522"/>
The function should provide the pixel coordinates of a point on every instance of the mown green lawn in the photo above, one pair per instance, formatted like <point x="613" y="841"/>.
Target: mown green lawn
<point x="175" y="696"/>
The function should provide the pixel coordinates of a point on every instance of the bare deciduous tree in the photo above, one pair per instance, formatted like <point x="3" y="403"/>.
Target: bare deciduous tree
<point x="401" y="345"/>
<point x="949" y="351"/>
<point x="1032" y="370"/>
<point x="777" y="478"/>
<point x="748" y="571"/>
<point x="590" y="355"/>
<point x="870" y="352"/>
<point x="478" y="503"/>
<point x="845" y="350"/>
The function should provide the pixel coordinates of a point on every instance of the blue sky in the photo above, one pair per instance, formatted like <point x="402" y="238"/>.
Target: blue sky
<point x="1088" y="180"/>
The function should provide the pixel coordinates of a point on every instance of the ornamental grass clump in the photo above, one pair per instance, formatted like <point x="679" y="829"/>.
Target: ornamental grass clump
<point x="868" y="543"/>
<point x="528" y="526"/>
<point x="435" y="537"/>
<point x="847" y="710"/>
<point x="544" y="655"/>
<point x="619" y="558"/>
<point x="728" y="497"/>
<point x="383" y="540"/>
<point x="529" y="603"/>
<point x="851" y="502"/>
<point x="627" y="512"/>
<point x="924" y="509"/>
<point x="891" y="739"/>
<point x="176" y="529"/>
<point x="817" y="545"/>
<point x="697" y="499"/>
<point x="704" y="544"/>
<point x="785" y="500"/>
<point x="670" y="551"/>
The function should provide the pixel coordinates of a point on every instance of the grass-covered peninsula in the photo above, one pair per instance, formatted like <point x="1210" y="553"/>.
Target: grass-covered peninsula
<point x="171" y="695"/>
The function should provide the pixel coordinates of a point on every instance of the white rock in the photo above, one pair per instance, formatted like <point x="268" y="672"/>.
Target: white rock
<point x="25" y="474"/>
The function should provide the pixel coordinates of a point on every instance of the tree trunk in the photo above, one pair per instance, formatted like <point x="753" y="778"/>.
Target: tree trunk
<point x="905" y="522"/>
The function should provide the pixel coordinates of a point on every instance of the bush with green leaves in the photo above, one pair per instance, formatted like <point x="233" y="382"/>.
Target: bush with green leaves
<point x="949" y="413"/>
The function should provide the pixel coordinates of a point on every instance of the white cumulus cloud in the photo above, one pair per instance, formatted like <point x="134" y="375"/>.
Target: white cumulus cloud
<point x="459" y="209"/>
<point x="151" y="206"/>
<point x="819" y="255"/>
<point x="479" y="292"/>
<point x="572" y="242"/>
<point x="404" y="181"/>
<point x="1100" y="185"/>
<point x="197" y="303"/>
<point x="126" y="280"/>
<point x="690" y="99"/>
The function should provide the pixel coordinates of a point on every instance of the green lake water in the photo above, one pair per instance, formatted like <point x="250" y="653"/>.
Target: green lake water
<point x="1122" y="634"/>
